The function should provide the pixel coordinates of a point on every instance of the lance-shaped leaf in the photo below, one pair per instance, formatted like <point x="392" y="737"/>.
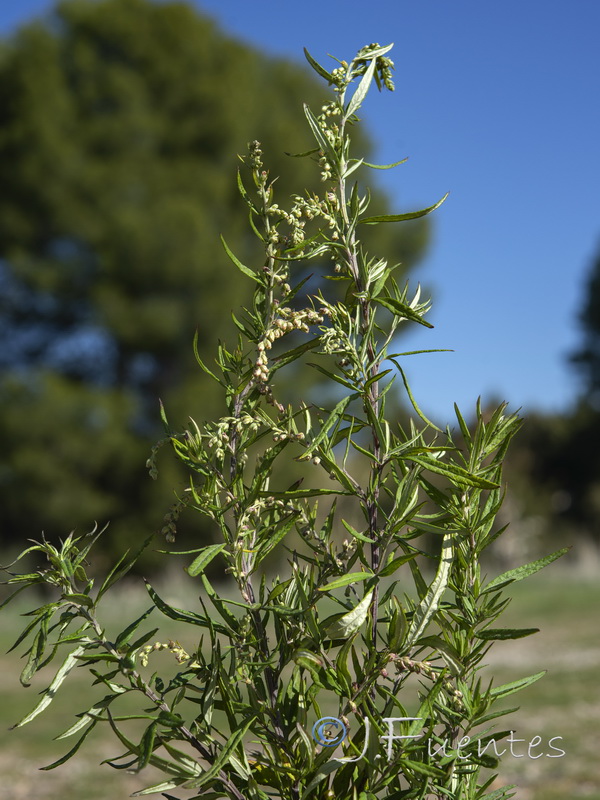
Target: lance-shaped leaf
<point x="334" y="418"/>
<point x="319" y="135"/>
<point x="385" y="166"/>
<point x="180" y="615"/>
<point x="89" y="716"/>
<point x="429" y="604"/>
<point x="346" y="580"/>
<point x="320" y="775"/>
<point x="402" y="310"/>
<point x="74" y="749"/>
<point x="126" y="635"/>
<point x="242" y="267"/>
<point x="516" y="686"/>
<point x="402" y="217"/>
<point x="317" y="67"/>
<point x="524" y="571"/>
<point x="452" y="471"/>
<point x="497" y="634"/>
<point x="223" y="757"/>
<point x="352" y="621"/>
<point x="361" y="90"/>
<point x="207" y="554"/>
<point x="48" y="696"/>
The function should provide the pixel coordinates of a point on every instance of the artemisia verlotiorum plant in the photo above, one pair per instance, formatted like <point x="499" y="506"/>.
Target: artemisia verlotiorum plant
<point x="348" y="665"/>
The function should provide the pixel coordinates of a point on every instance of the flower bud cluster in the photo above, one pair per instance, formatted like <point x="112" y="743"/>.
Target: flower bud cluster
<point x="426" y="669"/>
<point x="348" y="548"/>
<point x="280" y="435"/>
<point x="293" y="219"/>
<point x="312" y="206"/>
<point x="151" y="462"/>
<point x="340" y="76"/>
<point x="174" y="647"/>
<point x="169" y="529"/>
<point x="249" y="520"/>
<point x="326" y="168"/>
<point x="384" y="65"/>
<point x="288" y="320"/>
<point x="255" y="156"/>
<point x="219" y="435"/>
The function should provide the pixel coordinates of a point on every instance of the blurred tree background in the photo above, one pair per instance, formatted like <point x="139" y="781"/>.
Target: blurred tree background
<point x="553" y="465"/>
<point x="120" y="121"/>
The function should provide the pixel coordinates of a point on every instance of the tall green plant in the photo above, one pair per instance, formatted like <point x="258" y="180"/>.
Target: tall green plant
<point x="334" y="678"/>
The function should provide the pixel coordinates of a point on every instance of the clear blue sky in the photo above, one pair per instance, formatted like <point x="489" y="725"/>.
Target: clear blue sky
<point x="498" y="103"/>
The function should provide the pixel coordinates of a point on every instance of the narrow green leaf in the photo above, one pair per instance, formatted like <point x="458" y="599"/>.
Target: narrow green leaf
<point x="322" y="140"/>
<point x="317" y="67"/>
<point x="353" y="532"/>
<point x="320" y="775"/>
<point x="345" y="580"/>
<point x="385" y="166"/>
<point x="74" y="749"/>
<point x="160" y="787"/>
<point x="420" y="767"/>
<point x="332" y="375"/>
<point x="48" y="696"/>
<point x="275" y="537"/>
<point x="146" y="746"/>
<point x="242" y="267"/>
<point x="335" y="416"/>
<point x="218" y="603"/>
<point x="412" y="399"/>
<point x="352" y="621"/>
<point x="402" y="217"/>
<point x="398" y="626"/>
<point x="361" y="90"/>
<point x="304" y="154"/>
<point x="223" y="756"/>
<point x="401" y="310"/>
<point x="80" y="599"/>
<point x="207" y="554"/>
<point x="393" y="565"/>
<point x="493" y="634"/>
<point x="294" y="494"/>
<point x="493" y="715"/>
<point x="121" y="568"/>
<point x="126" y="635"/>
<point x="501" y="793"/>
<point x="452" y="471"/>
<point x="449" y="653"/>
<point x="201" y="363"/>
<point x="524" y="571"/>
<point x="352" y="168"/>
<point x="429" y="605"/>
<point x="179" y="614"/>
<point x="516" y="686"/>
<point x="286" y="358"/>
<point x="418" y="352"/>
<point x="165" y="766"/>
<point x="244" y="193"/>
<point x="377" y="377"/>
<point x="87" y="717"/>
<point x="35" y="654"/>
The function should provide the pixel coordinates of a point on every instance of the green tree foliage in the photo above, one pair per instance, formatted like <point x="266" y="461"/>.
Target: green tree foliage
<point x="119" y="124"/>
<point x="553" y="469"/>
<point x="587" y="358"/>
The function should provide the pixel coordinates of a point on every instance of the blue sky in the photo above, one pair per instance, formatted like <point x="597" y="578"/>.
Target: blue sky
<point x="496" y="103"/>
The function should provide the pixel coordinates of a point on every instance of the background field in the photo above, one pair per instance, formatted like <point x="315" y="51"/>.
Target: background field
<point x="565" y="703"/>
